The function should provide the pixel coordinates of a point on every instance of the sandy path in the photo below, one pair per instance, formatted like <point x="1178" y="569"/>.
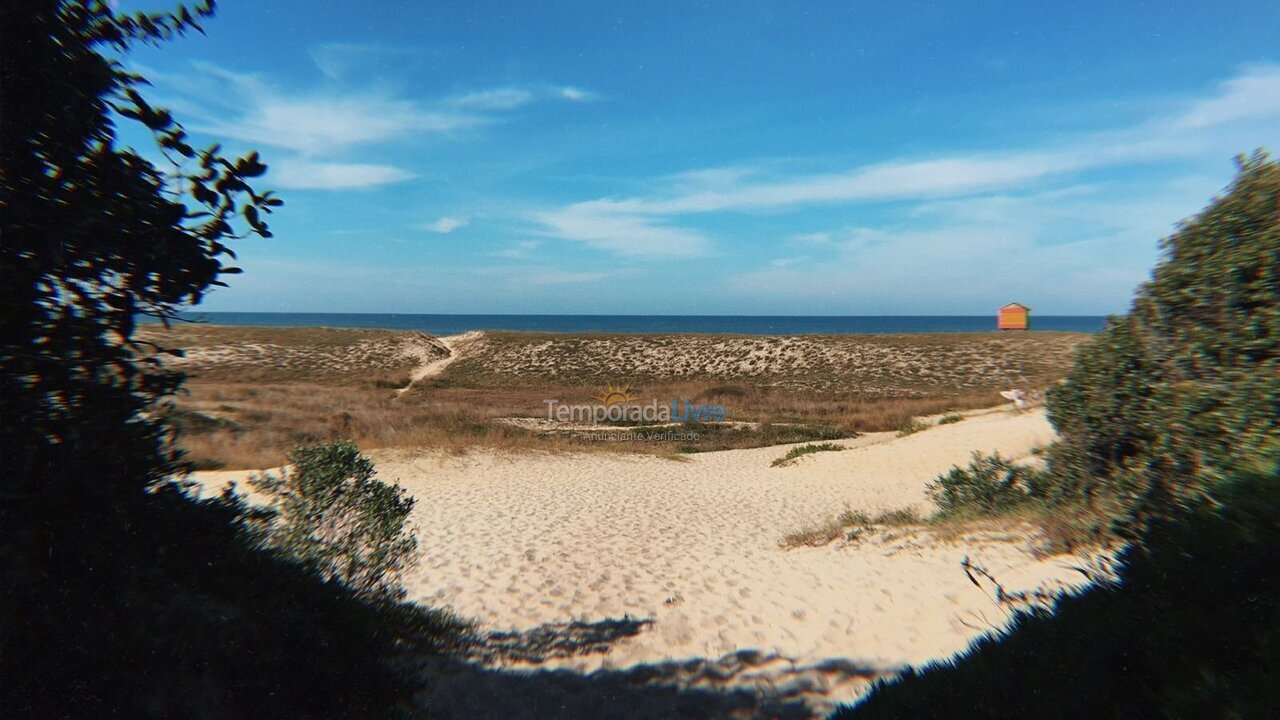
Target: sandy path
<point x="455" y="344"/>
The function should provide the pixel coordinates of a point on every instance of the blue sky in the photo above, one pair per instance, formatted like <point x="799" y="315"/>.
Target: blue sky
<point x="722" y="158"/>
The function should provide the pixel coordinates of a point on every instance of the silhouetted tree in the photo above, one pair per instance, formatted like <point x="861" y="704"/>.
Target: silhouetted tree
<point x="119" y="595"/>
<point x="95" y="235"/>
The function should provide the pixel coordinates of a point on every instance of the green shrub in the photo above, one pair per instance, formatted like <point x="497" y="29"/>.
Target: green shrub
<point x="950" y="418"/>
<point x="989" y="485"/>
<point x="1185" y="389"/>
<point x="911" y="427"/>
<point x="797" y="452"/>
<point x="334" y="517"/>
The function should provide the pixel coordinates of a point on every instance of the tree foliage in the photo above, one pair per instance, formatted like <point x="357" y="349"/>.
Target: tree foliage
<point x="1185" y="389"/>
<point x="1167" y="425"/>
<point x="96" y="236"/>
<point x="120" y="596"/>
<point x="335" y="517"/>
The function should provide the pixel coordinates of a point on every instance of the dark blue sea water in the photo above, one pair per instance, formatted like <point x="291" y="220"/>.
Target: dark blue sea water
<point x="740" y="324"/>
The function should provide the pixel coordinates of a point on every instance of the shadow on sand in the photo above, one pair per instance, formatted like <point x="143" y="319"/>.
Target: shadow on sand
<point x="501" y="675"/>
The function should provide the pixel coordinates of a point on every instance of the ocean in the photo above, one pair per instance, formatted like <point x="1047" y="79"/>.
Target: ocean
<point x="733" y="324"/>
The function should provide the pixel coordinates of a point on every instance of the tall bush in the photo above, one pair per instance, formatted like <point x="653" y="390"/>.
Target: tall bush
<point x="336" y="518"/>
<point x="1185" y="389"/>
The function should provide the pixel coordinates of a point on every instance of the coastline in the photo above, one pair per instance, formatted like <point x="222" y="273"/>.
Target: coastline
<point x="453" y="324"/>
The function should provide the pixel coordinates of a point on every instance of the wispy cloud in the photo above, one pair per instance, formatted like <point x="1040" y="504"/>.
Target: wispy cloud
<point x="321" y="123"/>
<point x="565" y="277"/>
<point x="574" y="94"/>
<point x="308" y="175"/>
<point x="975" y="253"/>
<point x="520" y="249"/>
<point x="537" y="276"/>
<point x="599" y="224"/>
<point x="1255" y="93"/>
<point x="339" y="61"/>
<point x="622" y="225"/>
<point x="446" y="225"/>
<point x="495" y="99"/>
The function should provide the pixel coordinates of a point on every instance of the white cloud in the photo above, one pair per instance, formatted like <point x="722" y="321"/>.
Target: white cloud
<point x="622" y="225"/>
<point x="520" y="249"/>
<point x="1252" y="94"/>
<point x="324" y="121"/>
<point x="538" y="276"/>
<point x="497" y="99"/>
<point x="565" y="277"/>
<point x="1082" y="249"/>
<point x="321" y="123"/>
<point x="306" y="175"/>
<point x="597" y="224"/>
<point x="446" y="225"/>
<point x="574" y="94"/>
<point x="817" y="238"/>
<point x="789" y="261"/>
<point x="339" y="61"/>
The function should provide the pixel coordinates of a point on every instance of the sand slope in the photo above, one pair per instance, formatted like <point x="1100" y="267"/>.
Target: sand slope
<point x="519" y="542"/>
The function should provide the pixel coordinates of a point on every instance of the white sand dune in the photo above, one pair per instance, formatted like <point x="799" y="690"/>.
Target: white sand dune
<point x="517" y="542"/>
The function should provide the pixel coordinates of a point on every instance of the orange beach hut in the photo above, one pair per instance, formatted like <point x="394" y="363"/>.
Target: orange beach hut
<point x="1014" y="316"/>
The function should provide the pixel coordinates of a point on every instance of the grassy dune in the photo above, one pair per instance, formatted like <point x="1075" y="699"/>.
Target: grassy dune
<point x="255" y="392"/>
<point x="918" y="365"/>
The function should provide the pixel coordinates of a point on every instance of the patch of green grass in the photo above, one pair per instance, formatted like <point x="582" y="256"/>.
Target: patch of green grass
<point x="797" y="452"/>
<point x="950" y="418"/>
<point x="911" y="427"/>
<point x="713" y="436"/>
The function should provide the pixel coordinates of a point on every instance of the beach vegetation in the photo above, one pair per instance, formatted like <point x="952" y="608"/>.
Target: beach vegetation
<point x="1168" y="444"/>
<point x="851" y="524"/>
<point x="798" y="452"/>
<point x="912" y="426"/>
<point x="989" y="485"/>
<point x="329" y="512"/>
<point x="279" y="386"/>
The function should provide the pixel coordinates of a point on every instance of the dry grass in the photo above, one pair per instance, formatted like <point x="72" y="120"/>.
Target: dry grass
<point x="256" y="392"/>
<point x="377" y="358"/>
<point x="918" y="365"/>
<point x="849" y="525"/>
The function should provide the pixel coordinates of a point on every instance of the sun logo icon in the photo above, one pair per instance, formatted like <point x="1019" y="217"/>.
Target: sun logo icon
<point x="616" y="395"/>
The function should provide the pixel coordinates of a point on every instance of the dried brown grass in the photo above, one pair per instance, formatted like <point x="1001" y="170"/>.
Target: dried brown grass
<point x="248" y="402"/>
